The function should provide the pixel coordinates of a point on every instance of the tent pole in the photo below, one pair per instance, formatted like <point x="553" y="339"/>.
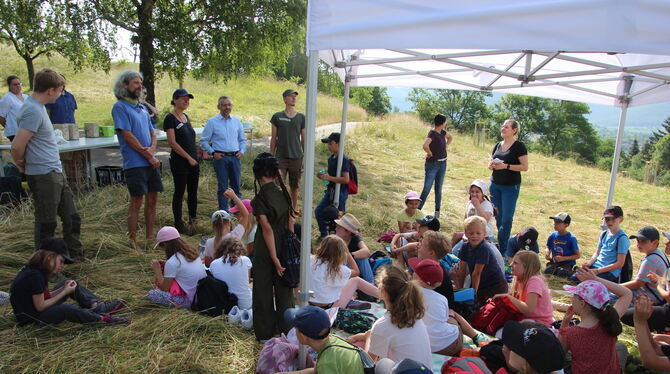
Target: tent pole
<point x="628" y="82"/>
<point x="308" y="187"/>
<point x="343" y="136"/>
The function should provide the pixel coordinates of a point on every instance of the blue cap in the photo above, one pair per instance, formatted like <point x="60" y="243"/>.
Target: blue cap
<point x="311" y="320"/>
<point x="179" y="92"/>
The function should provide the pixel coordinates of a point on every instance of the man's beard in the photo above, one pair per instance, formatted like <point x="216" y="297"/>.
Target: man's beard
<point x="133" y="95"/>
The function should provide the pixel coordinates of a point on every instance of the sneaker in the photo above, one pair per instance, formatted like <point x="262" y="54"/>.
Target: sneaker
<point x="246" y="319"/>
<point x="481" y="339"/>
<point x="109" y="307"/>
<point x="235" y="315"/>
<point x="4" y="298"/>
<point x="112" y="320"/>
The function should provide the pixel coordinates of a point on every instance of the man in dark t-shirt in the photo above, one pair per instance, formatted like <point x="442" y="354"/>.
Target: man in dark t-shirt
<point x="333" y="141"/>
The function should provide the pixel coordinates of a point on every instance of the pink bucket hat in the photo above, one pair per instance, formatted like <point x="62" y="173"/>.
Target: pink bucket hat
<point x="412" y="195"/>
<point x="593" y="292"/>
<point x="165" y="234"/>
<point x="247" y="204"/>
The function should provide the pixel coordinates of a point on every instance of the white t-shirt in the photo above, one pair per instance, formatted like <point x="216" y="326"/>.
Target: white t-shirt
<point x="186" y="273"/>
<point x="441" y="333"/>
<point x="470" y="211"/>
<point x="326" y="289"/>
<point x="236" y="277"/>
<point x="388" y="341"/>
<point x="238" y="233"/>
<point x="252" y="235"/>
<point x="9" y="107"/>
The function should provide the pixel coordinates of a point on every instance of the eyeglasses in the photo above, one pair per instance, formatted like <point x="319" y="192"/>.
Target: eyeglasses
<point x="17" y="84"/>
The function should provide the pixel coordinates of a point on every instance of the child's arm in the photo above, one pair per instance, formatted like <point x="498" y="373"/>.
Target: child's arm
<point x="576" y="256"/>
<point x="653" y="279"/>
<point x="567" y="317"/>
<point x="625" y="295"/>
<point x="355" y="271"/>
<point x="244" y="213"/>
<point x="41" y="304"/>
<point x="527" y="307"/>
<point x="593" y="258"/>
<point x="459" y="274"/>
<point x="620" y="261"/>
<point x="344" y="179"/>
<point x="650" y="352"/>
<point x="476" y="276"/>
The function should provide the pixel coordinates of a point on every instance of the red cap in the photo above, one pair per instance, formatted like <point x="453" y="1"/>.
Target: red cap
<point x="430" y="271"/>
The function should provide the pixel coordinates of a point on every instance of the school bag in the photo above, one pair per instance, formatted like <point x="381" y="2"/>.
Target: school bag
<point x="494" y="314"/>
<point x="212" y="297"/>
<point x="352" y="187"/>
<point x="366" y="360"/>
<point x="660" y="301"/>
<point x="289" y="257"/>
<point x="627" y="268"/>
<point x="465" y="365"/>
<point x="354" y="321"/>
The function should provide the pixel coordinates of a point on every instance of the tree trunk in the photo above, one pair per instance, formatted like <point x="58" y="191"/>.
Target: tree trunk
<point x="31" y="69"/>
<point x="146" y="43"/>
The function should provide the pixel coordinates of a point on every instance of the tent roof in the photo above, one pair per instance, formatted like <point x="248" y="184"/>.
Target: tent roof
<point x="574" y="50"/>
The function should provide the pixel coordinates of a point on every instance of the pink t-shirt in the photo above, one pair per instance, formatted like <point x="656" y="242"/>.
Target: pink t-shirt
<point x="543" y="312"/>
<point x="583" y="342"/>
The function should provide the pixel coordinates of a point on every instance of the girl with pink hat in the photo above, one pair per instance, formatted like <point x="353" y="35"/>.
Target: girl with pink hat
<point x="408" y="216"/>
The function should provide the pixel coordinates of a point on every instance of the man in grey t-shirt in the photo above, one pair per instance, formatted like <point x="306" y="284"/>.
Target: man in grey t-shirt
<point x="288" y="141"/>
<point x="35" y="152"/>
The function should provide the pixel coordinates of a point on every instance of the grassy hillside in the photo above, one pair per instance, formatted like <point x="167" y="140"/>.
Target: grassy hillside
<point x="254" y="99"/>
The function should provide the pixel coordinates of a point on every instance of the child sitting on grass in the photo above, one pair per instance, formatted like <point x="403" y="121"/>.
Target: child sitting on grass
<point x="232" y="266"/>
<point x="654" y="349"/>
<point x="408" y="216"/>
<point x="562" y="248"/>
<point x="525" y="239"/>
<point x="434" y="246"/>
<point x="530" y="348"/>
<point x="251" y="227"/>
<point x="222" y="225"/>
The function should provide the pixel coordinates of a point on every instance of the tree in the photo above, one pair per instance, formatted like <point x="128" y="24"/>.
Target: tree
<point x="662" y="153"/>
<point x="380" y="102"/>
<point x="42" y="27"/>
<point x="663" y="131"/>
<point x="463" y="108"/>
<point x="209" y="37"/>
<point x="647" y="150"/>
<point x="634" y="148"/>
<point x="531" y="112"/>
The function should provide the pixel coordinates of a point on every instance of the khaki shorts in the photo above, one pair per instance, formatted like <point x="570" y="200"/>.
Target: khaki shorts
<point x="292" y="166"/>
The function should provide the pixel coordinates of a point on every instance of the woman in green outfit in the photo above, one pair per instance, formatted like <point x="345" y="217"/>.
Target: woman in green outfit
<point x="274" y="213"/>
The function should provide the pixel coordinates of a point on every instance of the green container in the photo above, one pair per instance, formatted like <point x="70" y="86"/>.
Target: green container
<point x="106" y="131"/>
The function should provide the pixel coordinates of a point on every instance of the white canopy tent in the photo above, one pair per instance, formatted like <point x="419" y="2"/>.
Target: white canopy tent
<point x="609" y="52"/>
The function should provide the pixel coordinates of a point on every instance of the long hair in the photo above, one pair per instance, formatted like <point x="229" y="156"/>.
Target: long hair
<point x="436" y="242"/>
<point x="178" y="245"/>
<point x="333" y="252"/>
<point x="608" y="318"/>
<point x="123" y="79"/>
<point x="230" y="249"/>
<point x="266" y="165"/>
<point x="43" y="260"/>
<point x="533" y="267"/>
<point x="404" y="294"/>
<point x="249" y="228"/>
<point x="219" y="229"/>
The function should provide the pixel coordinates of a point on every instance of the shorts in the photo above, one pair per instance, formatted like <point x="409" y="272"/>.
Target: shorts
<point x="294" y="168"/>
<point x="142" y="180"/>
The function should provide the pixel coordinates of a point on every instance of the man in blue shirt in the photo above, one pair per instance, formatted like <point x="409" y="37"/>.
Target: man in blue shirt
<point x="138" y="146"/>
<point x="224" y="139"/>
<point x="62" y="111"/>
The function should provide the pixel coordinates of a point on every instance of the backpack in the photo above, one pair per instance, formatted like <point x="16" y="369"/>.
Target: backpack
<point x="353" y="179"/>
<point x="212" y="297"/>
<point x="354" y="321"/>
<point x="366" y="360"/>
<point x="627" y="268"/>
<point x="494" y="314"/>
<point x="465" y="365"/>
<point x="660" y="301"/>
<point x="278" y="354"/>
<point x="289" y="257"/>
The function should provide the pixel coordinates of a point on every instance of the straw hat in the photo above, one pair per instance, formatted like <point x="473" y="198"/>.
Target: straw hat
<point x="350" y="223"/>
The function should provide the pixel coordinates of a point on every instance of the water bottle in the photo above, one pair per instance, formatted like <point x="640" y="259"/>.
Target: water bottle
<point x="325" y="182"/>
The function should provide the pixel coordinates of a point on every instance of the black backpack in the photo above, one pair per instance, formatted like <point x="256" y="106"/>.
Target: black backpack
<point x="212" y="297"/>
<point x="289" y="257"/>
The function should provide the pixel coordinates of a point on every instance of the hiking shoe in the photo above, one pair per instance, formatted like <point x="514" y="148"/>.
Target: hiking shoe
<point x="4" y="298"/>
<point x="235" y="315"/>
<point x="358" y="305"/>
<point x="246" y="319"/>
<point x="109" y="307"/>
<point x="112" y="320"/>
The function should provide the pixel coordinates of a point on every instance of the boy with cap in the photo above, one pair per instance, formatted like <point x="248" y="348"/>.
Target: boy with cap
<point x="613" y="246"/>
<point x="335" y="356"/>
<point x="333" y="142"/>
<point x="562" y="248"/>
<point x="654" y="262"/>
<point x="530" y="345"/>
<point x="288" y="141"/>
<point x="525" y="239"/>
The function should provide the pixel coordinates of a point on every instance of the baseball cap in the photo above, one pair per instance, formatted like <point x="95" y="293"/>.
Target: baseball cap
<point x="349" y="222"/>
<point x="412" y="195"/>
<point x="667" y="235"/>
<point x="536" y="344"/>
<point x="593" y="292"/>
<point x="528" y="236"/>
<point x="481" y="184"/>
<point x="247" y="204"/>
<point x="613" y="211"/>
<point x="562" y="217"/>
<point x="430" y="271"/>
<point x="179" y="92"/>
<point x="165" y="234"/>
<point x="57" y="245"/>
<point x="334" y="136"/>
<point x="431" y="222"/>
<point x="311" y="320"/>
<point x="409" y="366"/>
<point x="646" y="233"/>
<point x="223" y="214"/>
<point x="289" y="92"/>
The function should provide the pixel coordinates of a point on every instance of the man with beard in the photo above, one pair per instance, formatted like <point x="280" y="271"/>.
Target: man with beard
<point x="137" y="140"/>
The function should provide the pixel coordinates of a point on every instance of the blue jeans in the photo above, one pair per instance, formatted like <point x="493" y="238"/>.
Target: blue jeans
<point x="227" y="170"/>
<point x="435" y="171"/>
<point x="326" y="201"/>
<point x="365" y="269"/>
<point x="607" y="276"/>
<point x="504" y="198"/>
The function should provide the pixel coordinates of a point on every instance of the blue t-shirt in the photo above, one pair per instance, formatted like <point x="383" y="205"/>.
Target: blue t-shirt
<point x="62" y="111"/>
<point x="608" y="253"/>
<point x="655" y="262"/>
<point x="563" y="245"/>
<point x="483" y="254"/>
<point x="135" y="118"/>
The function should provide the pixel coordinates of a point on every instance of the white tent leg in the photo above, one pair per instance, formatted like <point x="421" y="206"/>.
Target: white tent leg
<point x="628" y="81"/>
<point x="343" y="136"/>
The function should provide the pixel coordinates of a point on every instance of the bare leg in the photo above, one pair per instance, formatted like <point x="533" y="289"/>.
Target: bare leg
<point x="150" y="213"/>
<point x="133" y="216"/>
<point x="465" y="326"/>
<point x="353" y="284"/>
<point x="294" y="197"/>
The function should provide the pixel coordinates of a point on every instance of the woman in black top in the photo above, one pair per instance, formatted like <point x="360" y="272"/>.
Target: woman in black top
<point x="508" y="159"/>
<point x="435" y="147"/>
<point x="183" y="159"/>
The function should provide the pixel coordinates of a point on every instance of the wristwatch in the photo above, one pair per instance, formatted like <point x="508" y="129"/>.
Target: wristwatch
<point x="508" y="166"/>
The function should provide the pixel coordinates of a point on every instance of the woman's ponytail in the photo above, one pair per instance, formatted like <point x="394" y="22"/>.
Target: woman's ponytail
<point x="609" y="319"/>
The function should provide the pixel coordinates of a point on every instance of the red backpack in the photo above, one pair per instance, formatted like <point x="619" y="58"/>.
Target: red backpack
<point x="465" y="365"/>
<point x="494" y="314"/>
<point x="352" y="187"/>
